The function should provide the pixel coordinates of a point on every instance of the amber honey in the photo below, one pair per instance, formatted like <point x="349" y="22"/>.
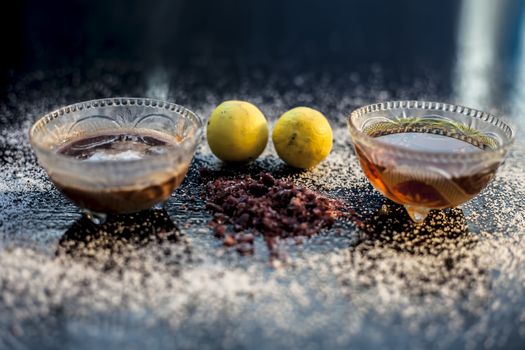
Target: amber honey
<point x="411" y="182"/>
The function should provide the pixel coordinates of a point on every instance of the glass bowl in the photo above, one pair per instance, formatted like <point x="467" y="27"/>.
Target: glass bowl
<point x="428" y="155"/>
<point x="161" y="137"/>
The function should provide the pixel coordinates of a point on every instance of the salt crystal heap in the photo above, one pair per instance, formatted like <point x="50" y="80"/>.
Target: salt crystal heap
<point x="275" y="209"/>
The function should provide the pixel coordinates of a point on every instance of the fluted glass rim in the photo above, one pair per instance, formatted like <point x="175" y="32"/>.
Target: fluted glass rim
<point x="63" y="112"/>
<point x="437" y="156"/>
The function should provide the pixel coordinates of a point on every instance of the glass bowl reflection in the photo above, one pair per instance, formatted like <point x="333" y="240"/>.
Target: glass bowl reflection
<point x="117" y="185"/>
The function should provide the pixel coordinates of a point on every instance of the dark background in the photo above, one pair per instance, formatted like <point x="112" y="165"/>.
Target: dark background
<point x="309" y="33"/>
<point x="300" y="35"/>
<point x="450" y="42"/>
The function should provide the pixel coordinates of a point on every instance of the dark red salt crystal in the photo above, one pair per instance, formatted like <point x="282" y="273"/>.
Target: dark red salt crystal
<point x="229" y="241"/>
<point x="220" y="230"/>
<point x="275" y="209"/>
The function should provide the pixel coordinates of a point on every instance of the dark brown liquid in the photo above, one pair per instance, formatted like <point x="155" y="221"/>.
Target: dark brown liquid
<point x="115" y="147"/>
<point x="111" y="147"/>
<point x="420" y="186"/>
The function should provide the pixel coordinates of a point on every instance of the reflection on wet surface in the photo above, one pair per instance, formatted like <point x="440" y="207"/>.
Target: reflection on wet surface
<point x="443" y="239"/>
<point x="442" y="231"/>
<point x="118" y="236"/>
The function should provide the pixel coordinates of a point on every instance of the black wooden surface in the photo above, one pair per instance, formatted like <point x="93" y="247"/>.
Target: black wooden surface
<point x="160" y="279"/>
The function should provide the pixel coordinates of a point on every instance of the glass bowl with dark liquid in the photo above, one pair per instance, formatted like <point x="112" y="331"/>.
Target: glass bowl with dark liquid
<point x="117" y="155"/>
<point x="428" y="155"/>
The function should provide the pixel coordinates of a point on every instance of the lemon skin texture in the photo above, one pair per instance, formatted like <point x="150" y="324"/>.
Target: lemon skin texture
<point x="302" y="137"/>
<point x="237" y="131"/>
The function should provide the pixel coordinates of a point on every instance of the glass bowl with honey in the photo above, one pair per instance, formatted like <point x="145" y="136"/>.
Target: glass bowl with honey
<point x="116" y="155"/>
<point x="428" y="155"/>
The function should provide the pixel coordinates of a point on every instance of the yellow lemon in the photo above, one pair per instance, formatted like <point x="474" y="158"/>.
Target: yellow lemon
<point x="237" y="131"/>
<point x="302" y="137"/>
